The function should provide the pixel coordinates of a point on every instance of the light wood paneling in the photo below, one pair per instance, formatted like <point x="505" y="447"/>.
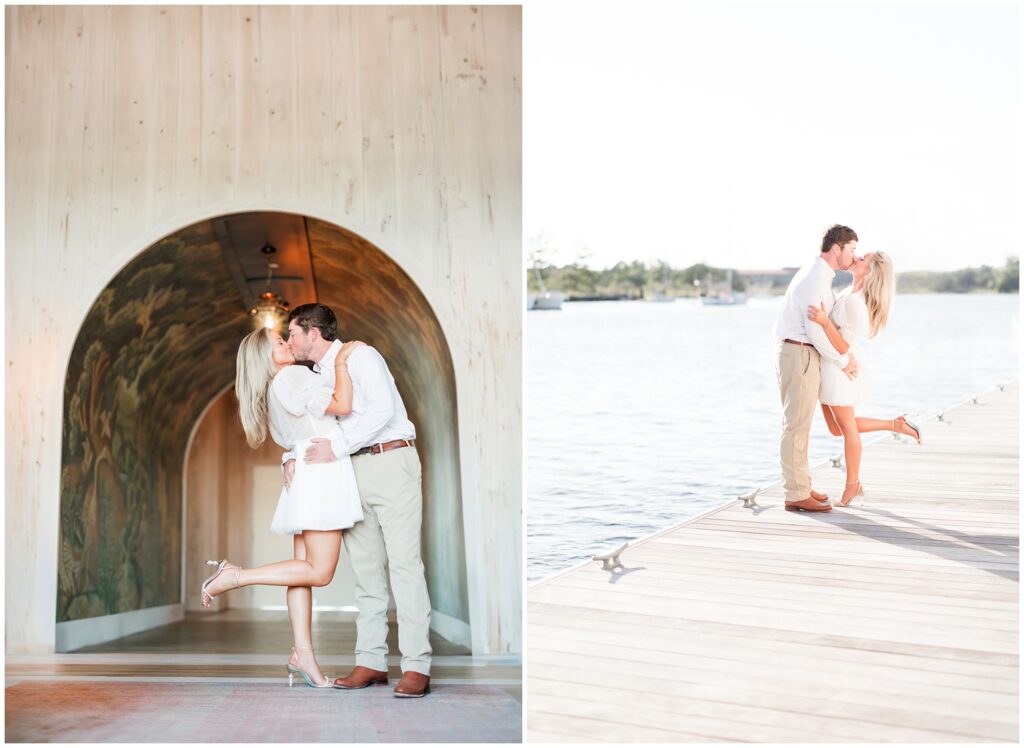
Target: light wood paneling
<point x="474" y="235"/>
<point x="346" y="184"/>
<point x="896" y="621"/>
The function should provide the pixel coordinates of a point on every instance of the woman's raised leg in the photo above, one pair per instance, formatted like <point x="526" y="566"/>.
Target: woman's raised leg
<point x="898" y="425"/>
<point x="867" y="425"/>
<point x="315" y="570"/>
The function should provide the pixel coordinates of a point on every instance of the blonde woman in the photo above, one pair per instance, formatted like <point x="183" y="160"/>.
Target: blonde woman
<point x="322" y="499"/>
<point x="860" y="312"/>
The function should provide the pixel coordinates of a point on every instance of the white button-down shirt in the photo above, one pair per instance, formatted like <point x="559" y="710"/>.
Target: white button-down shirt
<point x="812" y="286"/>
<point x="378" y="413"/>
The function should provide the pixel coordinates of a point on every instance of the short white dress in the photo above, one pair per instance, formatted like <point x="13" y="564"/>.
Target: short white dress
<point x="850" y="315"/>
<point x="323" y="496"/>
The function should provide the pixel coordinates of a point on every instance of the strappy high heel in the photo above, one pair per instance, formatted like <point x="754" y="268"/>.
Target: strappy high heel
<point x="221" y="567"/>
<point x="293" y="669"/>
<point x="911" y="424"/>
<point x="859" y="492"/>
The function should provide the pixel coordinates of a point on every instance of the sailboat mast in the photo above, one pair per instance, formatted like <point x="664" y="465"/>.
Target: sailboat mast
<point x="540" y="278"/>
<point x="728" y="251"/>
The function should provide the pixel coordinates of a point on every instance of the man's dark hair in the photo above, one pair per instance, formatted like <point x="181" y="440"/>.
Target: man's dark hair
<point x="837" y="234"/>
<point x="315" y="315"/>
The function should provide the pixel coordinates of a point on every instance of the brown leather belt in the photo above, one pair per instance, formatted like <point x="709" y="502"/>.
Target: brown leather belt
<point x="797" y="342"/>
<point x="376" y="449"/>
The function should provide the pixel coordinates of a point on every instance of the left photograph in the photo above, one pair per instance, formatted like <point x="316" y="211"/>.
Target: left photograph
<point x="264" y="372"/>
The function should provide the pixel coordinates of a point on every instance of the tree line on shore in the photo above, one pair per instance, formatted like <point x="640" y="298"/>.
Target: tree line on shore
<point x="637" y="279"/>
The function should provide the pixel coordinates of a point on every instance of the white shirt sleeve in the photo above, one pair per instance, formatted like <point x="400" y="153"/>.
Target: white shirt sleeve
<point x="299" y="391"/>
<point x="374" y="407"/>
<point x="813" y="294"/>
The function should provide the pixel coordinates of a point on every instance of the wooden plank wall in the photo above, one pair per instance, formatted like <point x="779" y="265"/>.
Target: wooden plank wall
<point x="402" y="124"/>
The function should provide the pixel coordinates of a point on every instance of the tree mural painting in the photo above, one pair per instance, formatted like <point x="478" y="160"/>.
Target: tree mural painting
<point x="157" y="345"/>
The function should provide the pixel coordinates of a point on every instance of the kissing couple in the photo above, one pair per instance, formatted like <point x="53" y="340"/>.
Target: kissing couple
<point x="817" y="334"/>
<point x="358" y="482"/>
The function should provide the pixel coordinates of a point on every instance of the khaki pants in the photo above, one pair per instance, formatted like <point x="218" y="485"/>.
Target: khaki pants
<point x="389" y="538"/>
<point x="798" y="368"/>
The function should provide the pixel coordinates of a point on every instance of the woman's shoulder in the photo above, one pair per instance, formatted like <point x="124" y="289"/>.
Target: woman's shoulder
<point x="849" y="296"/>
<point x="293" y="375"/>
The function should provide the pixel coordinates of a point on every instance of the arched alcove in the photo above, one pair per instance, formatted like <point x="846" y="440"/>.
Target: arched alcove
<point x="158" y="346"/>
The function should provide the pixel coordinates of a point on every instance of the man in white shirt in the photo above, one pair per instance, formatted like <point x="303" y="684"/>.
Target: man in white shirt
<point x="800" y="343"/>
<point x="381" y="439"/>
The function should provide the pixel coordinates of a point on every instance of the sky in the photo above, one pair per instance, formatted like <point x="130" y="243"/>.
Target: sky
<point x="735" y="135"/>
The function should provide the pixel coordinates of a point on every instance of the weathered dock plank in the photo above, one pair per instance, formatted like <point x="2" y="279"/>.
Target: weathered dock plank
<point x="895" y="621"/>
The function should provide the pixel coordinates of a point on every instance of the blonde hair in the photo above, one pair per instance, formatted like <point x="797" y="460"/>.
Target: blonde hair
<point x="254" y="368"/>
<point x="879" y="290"/>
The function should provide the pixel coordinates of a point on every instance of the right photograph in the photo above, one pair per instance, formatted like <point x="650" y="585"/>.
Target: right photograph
<point x="772" y="373"/>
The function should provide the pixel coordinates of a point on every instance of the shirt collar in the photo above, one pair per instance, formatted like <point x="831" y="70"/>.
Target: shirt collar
<point x="330" y="355"/>
<point x="828" y="268"/>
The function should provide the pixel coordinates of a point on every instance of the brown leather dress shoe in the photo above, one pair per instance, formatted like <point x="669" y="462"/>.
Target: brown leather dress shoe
<point x="413" y="685"/>
<point x="362" y="677"/>
<point x="808" y="505"/>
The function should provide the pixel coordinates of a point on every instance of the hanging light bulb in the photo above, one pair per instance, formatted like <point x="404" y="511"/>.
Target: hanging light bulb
<point x="271" y="310"/>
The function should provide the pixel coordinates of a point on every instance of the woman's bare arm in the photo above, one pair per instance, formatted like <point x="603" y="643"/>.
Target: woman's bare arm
<point x="818" y="316"/>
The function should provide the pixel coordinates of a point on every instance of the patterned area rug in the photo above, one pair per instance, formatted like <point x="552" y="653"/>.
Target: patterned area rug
<point x="148" y="712"/>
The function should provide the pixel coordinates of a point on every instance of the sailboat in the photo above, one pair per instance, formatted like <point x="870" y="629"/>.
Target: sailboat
<point x="726" y="297"/>
<point x="545" y="299"/>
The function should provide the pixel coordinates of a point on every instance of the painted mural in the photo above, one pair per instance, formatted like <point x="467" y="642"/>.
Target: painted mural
<point x="155" y="348"/>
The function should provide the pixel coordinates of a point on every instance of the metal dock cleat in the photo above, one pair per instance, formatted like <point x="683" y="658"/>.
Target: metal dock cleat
<point x="611" y="560"/>
<point x="749" y="499"/>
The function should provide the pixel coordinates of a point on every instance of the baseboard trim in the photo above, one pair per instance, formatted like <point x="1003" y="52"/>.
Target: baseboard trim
<point x="452" y="629"/>
<point x="73" y="635"/>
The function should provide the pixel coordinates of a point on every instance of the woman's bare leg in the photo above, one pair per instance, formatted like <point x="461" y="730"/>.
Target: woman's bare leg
<point x="899" y="425"/>
<point x="322" y="548"/>
<point x="830" y="420"/>
<point x="847" y="423"/>
<point x="867" y="425"/>
<point x="300" y="613"/>
<point x="300" y="604"/>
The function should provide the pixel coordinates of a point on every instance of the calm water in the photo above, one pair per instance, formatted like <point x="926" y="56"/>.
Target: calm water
<point x="641" y="415"/>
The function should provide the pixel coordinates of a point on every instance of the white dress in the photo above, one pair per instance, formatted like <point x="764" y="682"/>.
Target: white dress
<point x="323" y="496"/>
<point x="850" y="315"/>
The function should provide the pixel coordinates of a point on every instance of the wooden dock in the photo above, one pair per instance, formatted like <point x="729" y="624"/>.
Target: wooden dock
<point x="892" y="622"/>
